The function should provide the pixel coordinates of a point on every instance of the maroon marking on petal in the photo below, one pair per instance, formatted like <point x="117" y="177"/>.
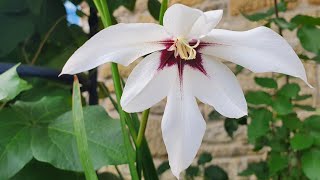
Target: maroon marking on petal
<point x="167" y="59"/>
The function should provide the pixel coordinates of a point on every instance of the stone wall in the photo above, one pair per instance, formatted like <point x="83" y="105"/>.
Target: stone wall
<point x="231" y="154"/>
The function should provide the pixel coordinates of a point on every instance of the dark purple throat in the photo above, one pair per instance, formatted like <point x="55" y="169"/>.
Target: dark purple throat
<point x="167" y="59"/>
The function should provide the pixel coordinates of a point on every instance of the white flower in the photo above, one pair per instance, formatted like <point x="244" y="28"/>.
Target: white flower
<point x="182" y="64"/>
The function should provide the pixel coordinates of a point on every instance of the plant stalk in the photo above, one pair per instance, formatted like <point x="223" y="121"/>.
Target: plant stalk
<point x="143" y="125"/>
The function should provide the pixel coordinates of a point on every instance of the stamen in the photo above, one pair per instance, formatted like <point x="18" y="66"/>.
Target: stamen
<point x="182" y="48"/>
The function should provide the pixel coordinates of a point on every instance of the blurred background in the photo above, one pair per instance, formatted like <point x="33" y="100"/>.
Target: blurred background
<point x="42" y="35"/>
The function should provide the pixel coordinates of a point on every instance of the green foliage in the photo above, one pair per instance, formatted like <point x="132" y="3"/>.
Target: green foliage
<point x="266" y="82"/>
<point x="215" y="172"/>
<point x="154" y="8"/>
<point x="164" y="166"/>
<point x="259" y="125"/>
<point x="301" y="141"/>
<point x="277" y="162"/>
<point x="11" y="85"/>
<point x="264" y="15"/>
<point x="231" y="125"/>
<point x="261" y="170"/>
<point x="309" y="38"/>
<point x="311" y="165"/>
<point x="204" y="158"/>
<point x="258" y="98"/>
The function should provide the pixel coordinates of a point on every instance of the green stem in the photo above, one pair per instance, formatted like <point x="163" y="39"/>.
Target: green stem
<point x="119" y="173"/>
<point x="164" y="6"/>
<point x="143" y="126"/>
<point x="106" y="92"/>
<point x="106" y="19"/>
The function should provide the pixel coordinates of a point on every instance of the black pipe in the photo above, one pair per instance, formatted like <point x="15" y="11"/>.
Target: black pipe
<point x="46" y="73"/>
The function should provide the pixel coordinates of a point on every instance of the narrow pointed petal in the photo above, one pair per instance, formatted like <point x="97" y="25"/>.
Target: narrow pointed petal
<point x="146" y="85"/>
<point x="182" y="126"/>
<point x="179" y="19"/>
<point x="205" y="23"/>
<point x="121" y="43"/>
<point x="219" y="88"/>
<point x="259" y="50"/>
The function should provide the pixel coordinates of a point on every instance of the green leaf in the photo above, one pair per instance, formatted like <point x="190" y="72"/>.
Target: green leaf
<point x="17" y="126"/>
<point x="306" y="20"/>
<point x="312" y="124"/>
<point x="80" y="132"/>
<point x="266" y="82"/>
<point x="35" y="6"/>
<point x="154" y="8"/>
<point x="301" y="141"/>
<point x="289" y="90"/>
<point x="260" y="169"/>
<point x="258" y="97"/>
<point x="259" y="125"/>
<point x="284" y="24"/>
<point x="292" y="122"/>
<point x="12" y="34"/>
<point x="276" y="163"/>
<point x="309" y="38"/>
<point x="305" y="107"/>
<point x="310" y="164"/>
<point x="164" y="166"/>
<point x="204" y="158"/>
<point x="302" y="97"/>
<point x="192" y="171"/>
<point x="36" y="170"/>
<point x="231" y="125"/>
<point x="104" y="139"/>
<point x="215" y="172"/>
<point x="282" y="105"/>
<point x="11" y="85"/>
<point x="215" y="115"/>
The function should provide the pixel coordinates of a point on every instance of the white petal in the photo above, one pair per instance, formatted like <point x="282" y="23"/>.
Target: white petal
<point x="205" y="24"/>
<point x="146" y="85"/>
<point x="219" y="88"/>
<point x="179" y="19"/>
<point x="182" y="126"/>
<point x="121" y="43"/>
<point x="259" y="50"/>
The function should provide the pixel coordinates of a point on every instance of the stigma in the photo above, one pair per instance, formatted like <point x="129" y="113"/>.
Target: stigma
<point x="182" y="49"/>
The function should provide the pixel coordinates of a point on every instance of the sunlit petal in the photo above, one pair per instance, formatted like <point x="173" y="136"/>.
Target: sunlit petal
<point x="122" y="43"/>
<point x="259" y="50"/>
<point x="179" y="19"/>
<point x="205" y="23"/>
<point x="182" y="126"/>
<point x="219" y="88"/>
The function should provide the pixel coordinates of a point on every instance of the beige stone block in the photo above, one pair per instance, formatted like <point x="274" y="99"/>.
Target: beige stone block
<point x="314" y="1"/>
<point x="186" y="2"/>
<point x="237" y="6"/>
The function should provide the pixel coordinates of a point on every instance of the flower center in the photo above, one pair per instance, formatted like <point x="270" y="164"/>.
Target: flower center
<point x="182" y="48"/>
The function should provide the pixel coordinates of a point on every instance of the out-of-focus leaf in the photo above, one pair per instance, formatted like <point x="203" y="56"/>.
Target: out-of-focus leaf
<point x="192" y="171"/>
<point x="36" y="170"/>
<point x="310" y="164"/>
<point x="11" y="85"/>
<point x="305" y="107"/>
<point x="215" y="172"/>
<point x="309" y="38"/>
<point x="260" y="169"/>
<point x="164" y="166"/>
<point x="302" y="97"/>
<point x="154" y="8"/>
<point x="292" y="122"/>
<point x="14" y="30"/>
<point x="276" y="163"/>
<point x="214" y="115"/>
<point x="301" y="141"/>
<point x="35" y="6"/>
<point x="289" y="90"/>
<point x="284" y="24"/>
<point x="204" y="158"/>
<point x="282" y="105"/>
<point x="266" y="82"/>
<point x="258" y="97"/>
<point x="259" y="125"/>
<point x="264" y="15"/>
<point x="312" y="125"/>
<point x="231" y="125"/>
<point x="306" y="20"/>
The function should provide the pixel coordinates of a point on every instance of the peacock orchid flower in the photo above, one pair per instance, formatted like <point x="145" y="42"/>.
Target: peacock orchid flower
<point x="182" y="63"/>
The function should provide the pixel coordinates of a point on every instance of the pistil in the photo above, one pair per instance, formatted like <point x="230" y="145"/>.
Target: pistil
<point x="182" y="48"/>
